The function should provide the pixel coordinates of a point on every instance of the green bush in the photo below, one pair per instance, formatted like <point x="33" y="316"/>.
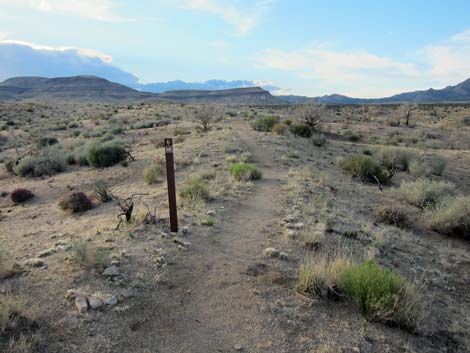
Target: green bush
<point x="107" y="154"/>
<point x="244" y="171"/>
<point x="101" y="190"/>
<point x="301" y="130"/>
<point x="364" y="167"/>
<point x="319" y="140"/>
<point x="153" y="173"/>
<point x="424" y="192"/>
<point x="47" y="141"/>
<point x="49" y="164"/>
<point x="451" y="217"/>
<point x="394" y="158"/>
<point x="195" y="190"/>
<point x="265" y="123"/>
<point x="381" y="294"/>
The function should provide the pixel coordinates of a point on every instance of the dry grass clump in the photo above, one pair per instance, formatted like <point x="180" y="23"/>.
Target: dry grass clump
<point x="365" y="168"/>
<point x="88" y="255"/>
<point x="101" y="190"/>
<point x="423" y="193"/>
<point x="21" y="195"/>
<point x="320" y="272"/>
<point x="154" y="172"/>
<point x="396" y="158"/>
<point x="76" y="202"/>
<point x="391" y="214"/>
<point x="196" y="190"/>
<point x="279" y="129"/>
<point x="11" y="311"/>
<point x="451" y="217"/>
<point x="8" y="268"/>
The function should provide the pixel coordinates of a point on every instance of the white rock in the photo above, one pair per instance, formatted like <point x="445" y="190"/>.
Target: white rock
<point x="238" y="347"/>
<point x="299" y="225"/>
<point x="113" y="300"/>
<point x="283" y="255"/>
<point x="81" y="304"/>
<point x="111" y="271"/>
<point x="95" y="302"/>
<point x="270" y="252"/>
<point x="211" y="213"/>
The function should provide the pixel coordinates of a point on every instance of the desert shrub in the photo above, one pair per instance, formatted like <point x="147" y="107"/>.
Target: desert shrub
<point x="437" y="165"/>
<point x="21" y="195"/>
<point x="466" y="121"/>
<point x="301" y="130"/>
<point x="89" y="256"/>
<point x="418" y="169"/>
<point x="319" y="140"/>
<point x="153" y="173"/>
<point x="246" y="157"/>
<point x="11" y="310"/>
<point x="394" y="158"/>
<point x="279" y="128"/>
<point x="364" y="168"/>
<point x="381" y="294"/>
<point x="48" y="164"/>
<point x="75" y="202"/>
<point x="351" y="136"/>
<point x="47" y="141"/>
<point x="244" y="171"/>
<point x="101" y="190"/>
<point x="265" y="123"/>
<point x="195" y="190"/>
<point x="424" y="192"/>
<point x="320" y="273"/>
<point x="105" y="154"/>
<point x="180" y="131"/>
<point x="451" y="217"/>
<point x="391" y="214"/>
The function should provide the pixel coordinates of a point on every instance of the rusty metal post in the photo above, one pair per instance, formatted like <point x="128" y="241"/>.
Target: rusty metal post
<point x="170" y="177"/>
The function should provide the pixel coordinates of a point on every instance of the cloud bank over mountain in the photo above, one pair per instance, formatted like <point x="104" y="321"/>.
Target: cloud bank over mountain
<point x="20" y="58"/>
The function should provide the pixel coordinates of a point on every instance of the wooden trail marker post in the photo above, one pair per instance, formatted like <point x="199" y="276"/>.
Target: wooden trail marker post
<point x="170" y="177"/>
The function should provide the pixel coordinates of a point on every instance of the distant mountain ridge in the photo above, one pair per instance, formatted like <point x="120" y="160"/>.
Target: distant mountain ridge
<point x="96" y="89"/>
<point x="457" y="93"/>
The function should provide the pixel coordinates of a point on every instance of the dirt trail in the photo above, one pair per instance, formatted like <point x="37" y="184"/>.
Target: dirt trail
<point x="211" y="304"/>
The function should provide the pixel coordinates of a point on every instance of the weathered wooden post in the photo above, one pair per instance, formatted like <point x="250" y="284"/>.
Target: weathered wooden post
<point x="170" y="177"/>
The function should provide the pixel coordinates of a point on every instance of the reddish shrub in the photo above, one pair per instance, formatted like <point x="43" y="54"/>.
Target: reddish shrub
<point x="75" y="202"/>
<point x="21" y="195"/>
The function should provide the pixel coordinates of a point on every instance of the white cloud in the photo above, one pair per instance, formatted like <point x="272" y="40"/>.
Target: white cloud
<point x="90" y="53"/>
<point x="99" y="10"/>
<point x="243" y="20"/>
<point x="3" y="35"/>
<point x="364" y="74"/>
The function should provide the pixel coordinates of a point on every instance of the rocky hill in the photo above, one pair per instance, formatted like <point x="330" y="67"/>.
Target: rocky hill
<point x="457" y="93"/>
<point x="95" y="89"/>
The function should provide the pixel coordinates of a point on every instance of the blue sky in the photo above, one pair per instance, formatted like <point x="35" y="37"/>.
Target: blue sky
<point x="357" y="48"/>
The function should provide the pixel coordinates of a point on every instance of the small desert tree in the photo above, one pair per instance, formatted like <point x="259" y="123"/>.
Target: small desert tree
<point x="206" y="115"/>
<point x="406" y="111"/>
<point x="311" y="114"/>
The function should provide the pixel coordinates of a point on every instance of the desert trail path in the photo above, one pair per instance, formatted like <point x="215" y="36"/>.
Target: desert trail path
<point x="211" y="304"/>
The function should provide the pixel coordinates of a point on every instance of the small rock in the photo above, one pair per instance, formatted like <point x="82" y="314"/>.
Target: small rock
<point x="181" y="242"/>
<point x="270" y="252"/>
<point x="210" y="213"/>
<point x="47" y="252"/>
<point x="238" y="347"/>
<point x="34" y="263"/>
<point x="256" y="269"/>
<point x="113" y="300"/>
<point x="299" y="225"/>
<point x="95" y="302"/>
<point x="289" y="219"/>
<point x="184" y="230"/>
<point x="291" y="234"/>
<point x="81" y="304"/>
<point x="164" y="235"/>
<point x="115" y="263"/>
<point x="111" y="271"/>
<point x="283" y="255"/>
